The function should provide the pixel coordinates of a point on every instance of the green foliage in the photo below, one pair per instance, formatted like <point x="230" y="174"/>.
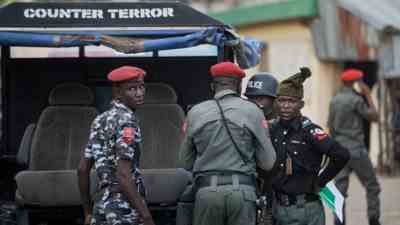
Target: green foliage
<point x="5" y="1"/>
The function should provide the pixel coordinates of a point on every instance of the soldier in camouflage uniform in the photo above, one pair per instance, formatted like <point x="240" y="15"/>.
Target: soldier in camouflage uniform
<point x="114" y="149"/>
<point x="346" y="114"/>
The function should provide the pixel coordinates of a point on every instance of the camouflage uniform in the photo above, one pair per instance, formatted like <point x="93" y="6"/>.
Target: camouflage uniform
<point x="110" y="140"/>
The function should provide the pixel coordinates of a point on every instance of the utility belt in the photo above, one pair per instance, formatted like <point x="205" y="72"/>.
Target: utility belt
<point x="293" y="199"/>
<point x="220" y="180"/>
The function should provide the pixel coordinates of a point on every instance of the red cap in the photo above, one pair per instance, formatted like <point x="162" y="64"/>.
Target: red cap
<point x="227" y="69"/>
<point x="351" y="75"/>
<point x="124" y="73"/>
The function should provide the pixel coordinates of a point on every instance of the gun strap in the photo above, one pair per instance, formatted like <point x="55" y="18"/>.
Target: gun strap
<point x="225" y="123"/>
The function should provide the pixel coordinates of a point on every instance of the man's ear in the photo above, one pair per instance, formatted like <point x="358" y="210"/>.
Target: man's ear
<point x="116" y="91"/>
<point x="301" y="106"/>
<point x="239" y="87"/>
<point x="212" y="87"/>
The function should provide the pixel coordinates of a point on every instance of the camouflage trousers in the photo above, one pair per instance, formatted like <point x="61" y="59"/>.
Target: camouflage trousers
<point x="114" y="209"/>
<point x="301" y="213"/>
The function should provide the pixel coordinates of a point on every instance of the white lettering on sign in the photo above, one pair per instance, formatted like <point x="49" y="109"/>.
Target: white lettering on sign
<point x="255" y="84"/>
<point x="29" y="13"/>
<point x="43" y="13"/>
<point x="113" y="13"/>
<point x="141" y="13"/>
<point x="64" y="13"/>
<point x="156" y="13"/>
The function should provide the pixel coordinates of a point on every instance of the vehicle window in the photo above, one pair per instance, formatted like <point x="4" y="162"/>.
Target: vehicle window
<point x="201" y="50"/>
<point x="106" y="52"/>
<point x="44" y="52"/>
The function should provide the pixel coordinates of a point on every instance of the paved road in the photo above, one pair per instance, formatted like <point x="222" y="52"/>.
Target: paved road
<point x="356" y="203"/>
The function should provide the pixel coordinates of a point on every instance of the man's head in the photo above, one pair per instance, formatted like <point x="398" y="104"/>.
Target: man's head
<point x="226" y="76"/>
<point x="290" y="95"/>
<point x="350" y="76"/>
<point x="128" y="85"/>
<point x="262" y="89"/>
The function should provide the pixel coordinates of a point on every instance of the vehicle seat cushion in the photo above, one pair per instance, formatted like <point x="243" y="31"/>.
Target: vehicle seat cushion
<point x="161" y="128"/>
<point x="165" y="186"/>
<point x="158" y="93"/>
<point x="48" y="188"/>
<point x="61" y="136"/>
<point x="71" y="94"/>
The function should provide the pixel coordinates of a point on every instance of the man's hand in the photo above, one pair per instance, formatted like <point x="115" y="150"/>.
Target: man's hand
<point x="88" y="219"/>
<point x="365" y="90"/>
<point x="146" y="221"/>
<point x="84" y="186"/>
<point x="124" y="45"/>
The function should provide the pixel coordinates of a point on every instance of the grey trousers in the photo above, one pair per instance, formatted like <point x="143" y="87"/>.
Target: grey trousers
<point x="225" y="205"/>
<point x="303" y="213"/>
<point x="361" y="164"/>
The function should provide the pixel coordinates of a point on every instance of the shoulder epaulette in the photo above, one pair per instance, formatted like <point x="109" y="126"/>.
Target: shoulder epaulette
<point x="306" y="123"/>
<point x="272" y="123"/>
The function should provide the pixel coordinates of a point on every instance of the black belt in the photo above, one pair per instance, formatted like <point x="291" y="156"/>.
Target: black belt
<point x="205" y="181"/>
<point x="293" y="199"/>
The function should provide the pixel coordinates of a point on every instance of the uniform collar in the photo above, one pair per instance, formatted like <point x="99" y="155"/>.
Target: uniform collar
<point x="224" y="93"/>
<point x="294" y="124"/>
<point x="347" y="89"/>
<point x="119" y="105"/>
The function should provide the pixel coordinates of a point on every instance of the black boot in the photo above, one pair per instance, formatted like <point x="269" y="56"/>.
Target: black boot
<point x="374" y="221"/>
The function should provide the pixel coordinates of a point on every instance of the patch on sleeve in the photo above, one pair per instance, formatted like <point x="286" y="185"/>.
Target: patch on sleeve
<point x="184" y="127"/>
<point x="128" y="135"/>
<point x="319" y="134"/>
<point x="264" y="123"/>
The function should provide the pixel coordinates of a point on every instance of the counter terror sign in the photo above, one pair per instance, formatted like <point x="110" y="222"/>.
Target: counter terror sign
<point x="43" y="13"/>
<point x="101" y="14"/>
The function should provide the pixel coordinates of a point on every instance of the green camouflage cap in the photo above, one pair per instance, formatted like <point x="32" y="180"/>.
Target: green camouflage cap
<point x="293" y="86"/>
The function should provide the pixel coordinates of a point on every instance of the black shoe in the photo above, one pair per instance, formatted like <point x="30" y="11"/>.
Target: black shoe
<point x="374" y="221"/>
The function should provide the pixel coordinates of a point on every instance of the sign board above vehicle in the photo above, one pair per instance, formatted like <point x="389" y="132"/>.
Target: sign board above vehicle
<point x="101" y="15"/>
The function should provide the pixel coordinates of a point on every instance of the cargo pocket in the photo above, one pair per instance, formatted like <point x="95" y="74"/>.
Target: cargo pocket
<point x="249" y="196"/>
<point x="249" y="206"/>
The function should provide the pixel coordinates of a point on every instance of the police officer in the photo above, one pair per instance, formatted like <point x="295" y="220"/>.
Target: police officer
<point x="300" y="145"/>
<point x="261" y="89"/>
<point x="225" y="138"/>
<point x="114" y="148"/>
<point x="346" y="114"/>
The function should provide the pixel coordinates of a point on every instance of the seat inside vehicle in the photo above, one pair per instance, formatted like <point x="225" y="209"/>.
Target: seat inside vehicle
<point x="58" y="140"/>
<point x="161" y="119"/>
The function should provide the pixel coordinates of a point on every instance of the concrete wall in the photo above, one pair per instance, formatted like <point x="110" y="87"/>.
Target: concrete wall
<point x="290" y="47"/>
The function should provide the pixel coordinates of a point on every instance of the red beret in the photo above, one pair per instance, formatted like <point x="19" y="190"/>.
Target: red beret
<point x="227" y="69"/>
<point x="351" y="75"/>
<point x="124" y="73"/>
